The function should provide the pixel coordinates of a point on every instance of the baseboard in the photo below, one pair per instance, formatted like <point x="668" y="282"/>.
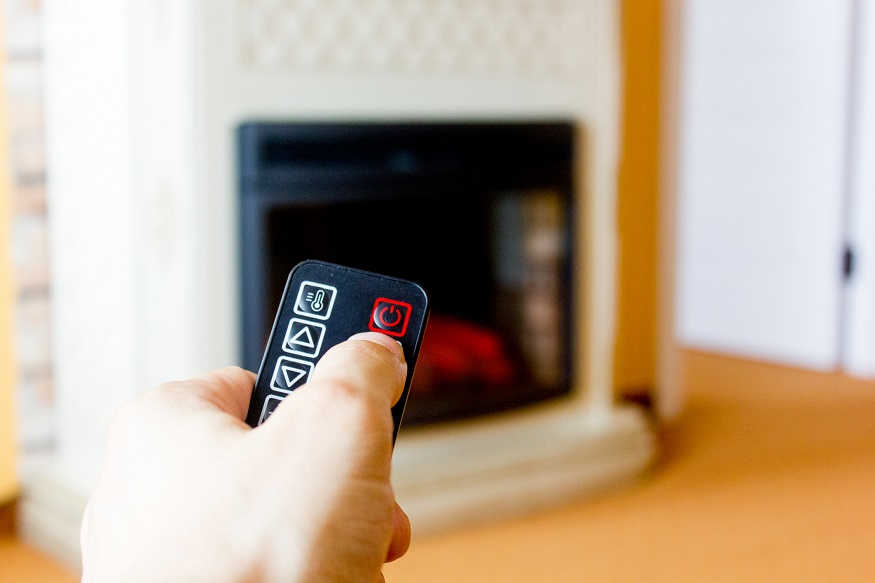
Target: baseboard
<point x="488" y="472"/>
<point x="50" y="517"/>
<point x="444" y="479"/>
<point x="9" y="517"/>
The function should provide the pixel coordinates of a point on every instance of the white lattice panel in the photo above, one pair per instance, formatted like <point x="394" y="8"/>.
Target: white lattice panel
<point x="459" y="36"/>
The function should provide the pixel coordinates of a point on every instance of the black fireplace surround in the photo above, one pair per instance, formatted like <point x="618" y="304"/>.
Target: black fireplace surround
<point x="479" y="213"/>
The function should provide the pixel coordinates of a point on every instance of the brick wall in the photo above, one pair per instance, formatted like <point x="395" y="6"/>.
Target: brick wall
<point x="29" y="232"/>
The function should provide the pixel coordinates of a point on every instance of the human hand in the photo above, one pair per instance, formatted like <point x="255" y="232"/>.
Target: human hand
<point x="191" y="493"/>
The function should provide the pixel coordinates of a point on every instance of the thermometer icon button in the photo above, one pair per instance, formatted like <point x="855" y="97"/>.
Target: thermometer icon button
<point x="315" y="300"/>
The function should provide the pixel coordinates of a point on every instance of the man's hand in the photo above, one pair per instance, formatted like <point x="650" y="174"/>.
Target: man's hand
<point x="190" y="493"/>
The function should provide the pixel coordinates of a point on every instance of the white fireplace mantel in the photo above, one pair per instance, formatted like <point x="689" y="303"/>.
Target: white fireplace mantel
<point x="142" y="102"/>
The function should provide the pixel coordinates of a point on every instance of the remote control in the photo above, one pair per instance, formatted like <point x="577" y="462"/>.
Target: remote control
<point x="324" y="304"/>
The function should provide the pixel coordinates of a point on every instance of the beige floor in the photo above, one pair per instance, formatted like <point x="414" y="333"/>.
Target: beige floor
<point x="769" y="475"/>
<point x="21" y="564"/>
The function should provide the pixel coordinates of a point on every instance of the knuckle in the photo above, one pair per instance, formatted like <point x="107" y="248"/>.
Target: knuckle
<point x="124" y="417"/>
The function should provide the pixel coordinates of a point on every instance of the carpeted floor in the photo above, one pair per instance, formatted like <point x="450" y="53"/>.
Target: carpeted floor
<point x="768" y="475"/>
<point x="21" y="564"/>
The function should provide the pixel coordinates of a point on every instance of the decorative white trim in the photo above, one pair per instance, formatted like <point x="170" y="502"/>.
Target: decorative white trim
<point x="50" y="515"/>
<point x="491" y="37"/>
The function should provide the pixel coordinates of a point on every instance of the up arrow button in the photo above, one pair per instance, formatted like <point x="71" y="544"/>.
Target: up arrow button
<point x="304" y="338"/>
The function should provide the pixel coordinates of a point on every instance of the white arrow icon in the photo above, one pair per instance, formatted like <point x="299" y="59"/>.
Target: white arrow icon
<point x="304" y="337"/>
<point x="289" y="374"/>
<point x="292" y="375"/>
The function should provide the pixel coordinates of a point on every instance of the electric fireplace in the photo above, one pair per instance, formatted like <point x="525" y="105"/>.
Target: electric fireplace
<point x="478" y="213"/>
<point x="204" y="207"/>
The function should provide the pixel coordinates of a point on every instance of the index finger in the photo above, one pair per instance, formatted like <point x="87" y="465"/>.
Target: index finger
<point x="227" y="389"/>
<point x="370" y="362"/>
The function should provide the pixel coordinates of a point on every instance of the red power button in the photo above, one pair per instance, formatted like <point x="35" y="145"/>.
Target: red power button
<point x="390" y="317"/>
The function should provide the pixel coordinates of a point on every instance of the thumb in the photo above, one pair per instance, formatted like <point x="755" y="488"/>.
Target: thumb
<point x="368" y="362"/>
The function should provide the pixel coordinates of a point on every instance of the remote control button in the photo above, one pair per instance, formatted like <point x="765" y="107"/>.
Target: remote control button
<point x="390" y="317"/>
<point x="290" y="374"/>
<point x="315" y="300"/>
<point x="304" y="338"/>
<point x="270" y="405"/>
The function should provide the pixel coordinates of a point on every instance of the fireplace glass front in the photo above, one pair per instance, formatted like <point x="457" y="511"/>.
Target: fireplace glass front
<point x="480" y="214"/>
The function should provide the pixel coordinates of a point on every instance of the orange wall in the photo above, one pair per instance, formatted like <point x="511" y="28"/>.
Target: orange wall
<point x="635" y="362"/>
<point x="8" y="474"/>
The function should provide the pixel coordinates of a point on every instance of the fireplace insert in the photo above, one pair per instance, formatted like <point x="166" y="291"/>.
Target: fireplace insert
<point x="480" y="213"/>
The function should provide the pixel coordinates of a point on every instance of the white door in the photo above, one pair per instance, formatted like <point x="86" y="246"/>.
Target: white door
<point x="859" y="315"/>
<point x="764" y="116"/>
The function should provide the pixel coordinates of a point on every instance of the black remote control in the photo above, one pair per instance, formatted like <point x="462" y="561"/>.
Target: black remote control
<point x="324" y="304"/>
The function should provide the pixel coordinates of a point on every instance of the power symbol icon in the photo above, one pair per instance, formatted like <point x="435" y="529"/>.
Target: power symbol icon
<point x="390" y="317"/>
<point x="384" y="320"/>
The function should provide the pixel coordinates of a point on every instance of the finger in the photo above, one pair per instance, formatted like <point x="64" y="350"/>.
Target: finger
<point x="228" y="389"/>
<point x="400" y="535"/>
<point x="369" y="362"/>
<point x="219" y="394"/>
